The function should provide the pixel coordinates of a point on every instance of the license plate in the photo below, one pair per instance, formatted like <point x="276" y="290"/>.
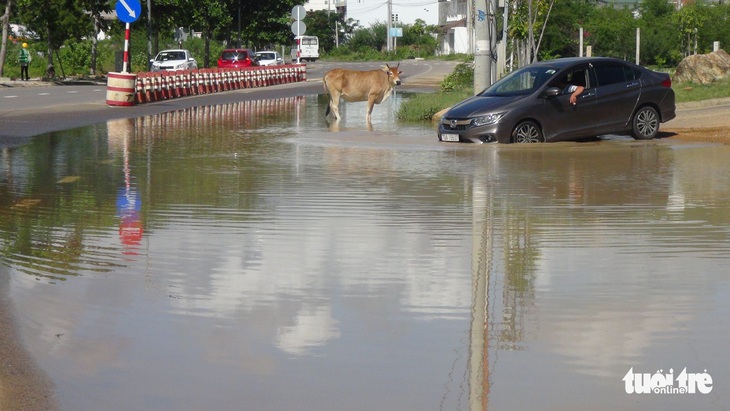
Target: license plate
<point x="450" y="137"/>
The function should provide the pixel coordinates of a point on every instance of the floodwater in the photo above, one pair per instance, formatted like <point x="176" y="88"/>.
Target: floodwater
<point x="250" y="257"/>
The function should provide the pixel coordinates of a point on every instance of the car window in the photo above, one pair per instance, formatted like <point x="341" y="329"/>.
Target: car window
<point x="267" y="56"/>
<point x="171" y="55"/>
<point x="613" y="73"/>
<point x="232" y="55"/>
<point x="575" y="76"/>
<point x="522" y="81"/>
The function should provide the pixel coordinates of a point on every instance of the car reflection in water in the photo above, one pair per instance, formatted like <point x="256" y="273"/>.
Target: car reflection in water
<point x="532" y="104"/>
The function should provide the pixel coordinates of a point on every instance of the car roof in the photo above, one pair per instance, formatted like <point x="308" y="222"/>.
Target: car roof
<point x="569" y="61"/>
<point x="237" y="50"/>
<point x="166" y="50"/>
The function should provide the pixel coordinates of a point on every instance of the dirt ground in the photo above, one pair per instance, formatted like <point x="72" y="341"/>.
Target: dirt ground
<point x="719" y="135"/>
<point x="22" y="385"/>
<point x="707" y="121"/>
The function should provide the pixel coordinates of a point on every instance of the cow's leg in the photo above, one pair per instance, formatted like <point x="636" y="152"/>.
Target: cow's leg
<point x="335" y="103"/>
<point x="371" y="104"/>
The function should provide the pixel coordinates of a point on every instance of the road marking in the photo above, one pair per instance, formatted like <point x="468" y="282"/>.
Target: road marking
<point x="43" y="94"/>
<point x="10" y="96"/>
<point x="72" y="92"/>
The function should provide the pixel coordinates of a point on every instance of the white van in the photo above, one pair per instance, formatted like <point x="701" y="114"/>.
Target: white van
<point x="306" y="48"/>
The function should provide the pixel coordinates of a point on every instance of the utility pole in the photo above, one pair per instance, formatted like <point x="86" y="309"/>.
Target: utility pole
<point x="390" y="23"/>
<point x="149" y="33"/>
<point x="483" y="46"/>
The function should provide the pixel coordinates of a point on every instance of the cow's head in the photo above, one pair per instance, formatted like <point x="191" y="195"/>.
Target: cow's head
<point x="393" y="74"/>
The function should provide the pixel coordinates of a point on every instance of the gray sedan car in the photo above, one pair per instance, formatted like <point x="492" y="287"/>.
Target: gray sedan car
<point x="532" y="104"/>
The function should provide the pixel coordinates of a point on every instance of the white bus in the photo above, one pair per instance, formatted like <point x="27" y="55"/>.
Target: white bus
<point x="306" y="48"/>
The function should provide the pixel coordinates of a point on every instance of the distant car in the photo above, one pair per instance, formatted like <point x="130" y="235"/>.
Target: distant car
<point x="269" y="58"/>
<point x="173" y="60"/>
<point x="532" y="104"/>
<point x="237" y="58"/>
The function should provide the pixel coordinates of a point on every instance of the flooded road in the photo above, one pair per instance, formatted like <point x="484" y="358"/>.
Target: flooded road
<point x="251" y="256"/>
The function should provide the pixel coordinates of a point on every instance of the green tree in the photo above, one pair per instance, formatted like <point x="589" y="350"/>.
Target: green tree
<point x="211" y="17"/>
<point x="610" y="32"/>
<point x="716" y="27"/>
<point x="690" y="19"/>
<point x="95" y="9"/>
<point x="330" y="27"/>
<point x="417" y="37"/>
<point x="659" y="42"/>
<point x="560" y="38"/>
<point x="5" y="22"/>
<point x="55" y="21"/>
<point x="528" y="18"/>
<point x="266" y="23"/>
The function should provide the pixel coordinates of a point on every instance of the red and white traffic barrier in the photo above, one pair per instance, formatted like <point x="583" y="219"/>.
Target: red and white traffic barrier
<point x="150" y="87"/>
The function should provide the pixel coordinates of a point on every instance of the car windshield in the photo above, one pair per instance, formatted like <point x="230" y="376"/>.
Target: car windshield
<point x="171" y="55"/>
<point x="233" y="55"/>
<point x="523" y="81"/>
<point x="266" y="56"/>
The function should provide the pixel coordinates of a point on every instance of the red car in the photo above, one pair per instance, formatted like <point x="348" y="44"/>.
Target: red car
<point x="237" y="58"/>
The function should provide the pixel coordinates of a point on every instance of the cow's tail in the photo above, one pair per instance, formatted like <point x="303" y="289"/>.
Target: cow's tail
<point x="327" y="93"/>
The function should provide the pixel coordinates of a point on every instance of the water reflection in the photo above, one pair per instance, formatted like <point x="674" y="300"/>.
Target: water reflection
<point x="248" y="254"/>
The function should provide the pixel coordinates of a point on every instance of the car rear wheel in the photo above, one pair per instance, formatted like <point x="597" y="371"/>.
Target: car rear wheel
<point x="527" y="132"/>
<point x="645" y="125"/>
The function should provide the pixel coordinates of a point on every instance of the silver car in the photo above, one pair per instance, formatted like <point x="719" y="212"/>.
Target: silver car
<point x="532" y="104"/>
<point x="269" y="58"/>
<point x="173" y="60"/>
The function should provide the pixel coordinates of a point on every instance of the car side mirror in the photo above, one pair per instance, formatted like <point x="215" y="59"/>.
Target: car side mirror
<point x="553" y="92"/>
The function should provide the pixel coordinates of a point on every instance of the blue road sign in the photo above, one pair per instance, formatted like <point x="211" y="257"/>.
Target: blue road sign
<point x="128" y="10"/>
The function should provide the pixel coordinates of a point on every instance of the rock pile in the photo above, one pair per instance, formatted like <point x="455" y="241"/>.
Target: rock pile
<point x="703" y="68"/>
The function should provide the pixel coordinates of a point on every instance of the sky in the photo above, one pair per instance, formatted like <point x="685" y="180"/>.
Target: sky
<point x="371" y="11"/>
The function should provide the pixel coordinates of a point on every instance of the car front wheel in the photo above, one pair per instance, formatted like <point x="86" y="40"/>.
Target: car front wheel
<point x="645" y="125"/>
<point x="527" y="132"/>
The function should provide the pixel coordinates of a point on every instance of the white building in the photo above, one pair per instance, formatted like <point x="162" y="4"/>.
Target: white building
<point x="368" y="12"/>
<point x="452" y="22"/>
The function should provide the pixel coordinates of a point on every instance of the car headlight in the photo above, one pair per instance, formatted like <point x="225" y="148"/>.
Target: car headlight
<point x="179" y="66"/>
<point x="488" y="119"/>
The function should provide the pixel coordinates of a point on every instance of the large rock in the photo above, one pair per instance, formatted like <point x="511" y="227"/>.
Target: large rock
<point x="703" y="68"/>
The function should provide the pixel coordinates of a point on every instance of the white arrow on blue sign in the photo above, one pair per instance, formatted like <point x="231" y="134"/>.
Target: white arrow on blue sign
<point x="128" y="11"/>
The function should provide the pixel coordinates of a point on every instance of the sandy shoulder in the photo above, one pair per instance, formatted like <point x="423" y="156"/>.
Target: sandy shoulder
<point x="23" y="386"/>
<point x="701" y="121"/>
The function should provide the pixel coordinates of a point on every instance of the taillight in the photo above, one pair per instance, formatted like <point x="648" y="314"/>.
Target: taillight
<point x="667" y="82"/>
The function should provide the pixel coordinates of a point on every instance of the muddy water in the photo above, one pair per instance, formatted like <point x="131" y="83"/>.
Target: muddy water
<point x="251" y="256"/>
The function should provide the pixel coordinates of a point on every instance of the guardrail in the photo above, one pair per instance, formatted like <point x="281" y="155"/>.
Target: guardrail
<point x="124" y="89"/>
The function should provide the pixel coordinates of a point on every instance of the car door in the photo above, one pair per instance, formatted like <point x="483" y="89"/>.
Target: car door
<point x="618" y="89"/>
<point x="565" y="121"/>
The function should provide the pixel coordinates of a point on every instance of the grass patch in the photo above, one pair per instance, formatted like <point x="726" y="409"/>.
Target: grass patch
<point x="687" y="92"/>
<point x="424" y="106"/>
<point x="455" y="87"/>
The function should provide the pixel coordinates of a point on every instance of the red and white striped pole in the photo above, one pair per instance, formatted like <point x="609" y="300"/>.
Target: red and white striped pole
<point x="126" y="49"/>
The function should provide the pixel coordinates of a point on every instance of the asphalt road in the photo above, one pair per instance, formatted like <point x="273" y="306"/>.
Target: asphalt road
<point x="27" y="110"/>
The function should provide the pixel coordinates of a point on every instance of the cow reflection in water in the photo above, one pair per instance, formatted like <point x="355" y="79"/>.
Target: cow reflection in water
<point x="375" y="86"/>
<point x="335" y="126"/>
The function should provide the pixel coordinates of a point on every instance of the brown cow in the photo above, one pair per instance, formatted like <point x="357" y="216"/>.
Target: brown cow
<point x="374" y="86"/>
